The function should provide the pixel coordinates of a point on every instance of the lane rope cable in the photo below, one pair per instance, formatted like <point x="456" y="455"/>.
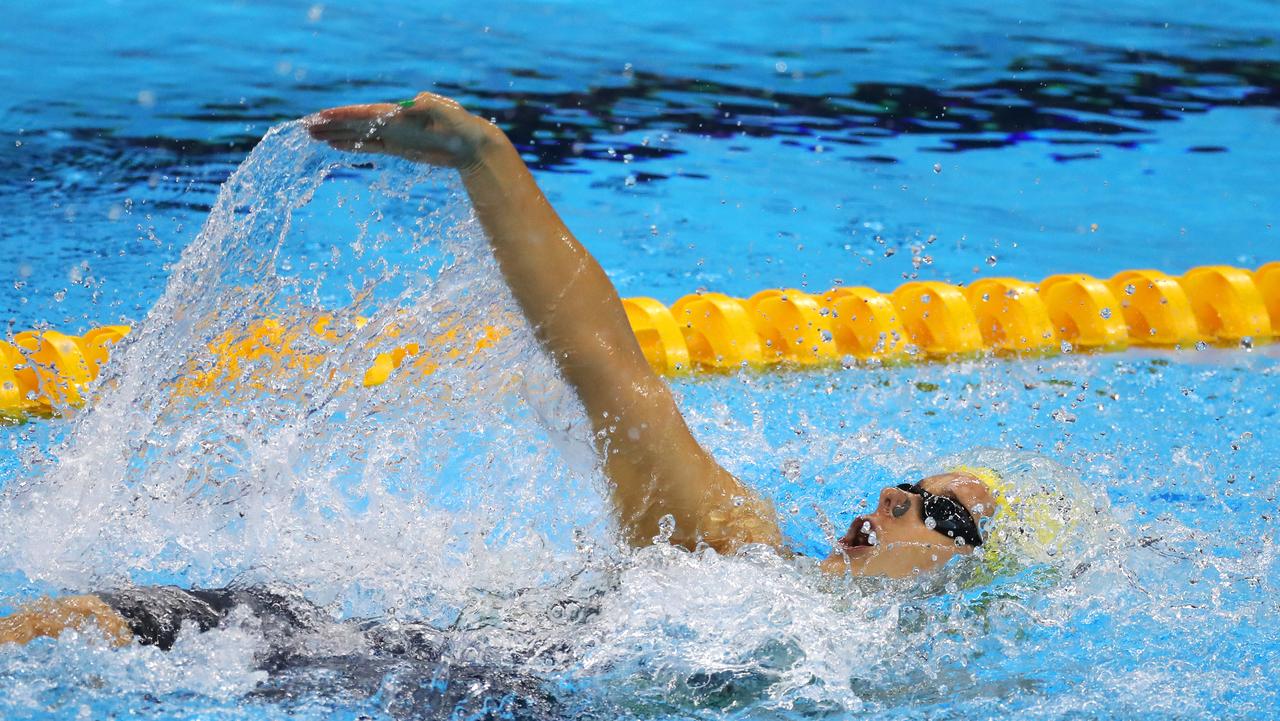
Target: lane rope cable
<point x="43" y="372"/>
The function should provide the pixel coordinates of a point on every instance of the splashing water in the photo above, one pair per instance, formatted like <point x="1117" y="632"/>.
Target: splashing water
<point x="233" y="439"/>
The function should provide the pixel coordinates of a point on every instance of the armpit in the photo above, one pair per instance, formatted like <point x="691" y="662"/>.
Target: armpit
<point x="746" y="519"/>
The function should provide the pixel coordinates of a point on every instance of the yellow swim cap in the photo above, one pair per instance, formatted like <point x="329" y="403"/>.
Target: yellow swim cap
<point x="1028" y="525"/>
<point x="990" y="479"/>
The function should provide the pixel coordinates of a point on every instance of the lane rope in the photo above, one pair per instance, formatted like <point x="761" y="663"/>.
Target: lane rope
<point x="45" y="372"/>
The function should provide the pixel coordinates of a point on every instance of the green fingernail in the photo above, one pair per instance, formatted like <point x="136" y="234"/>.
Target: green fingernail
<point x="405" y="103"/>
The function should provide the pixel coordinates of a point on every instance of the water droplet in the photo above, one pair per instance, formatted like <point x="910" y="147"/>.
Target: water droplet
<point x="1062" y="415"/>
<point x="1129" y="289"/>
<point x="991" y="260"/>
<point x="1105" y="313"/>
<point x="1201" y="345"/>
<point x="666" y="528"/>
<point x="937" y="167"/>
<point x="1066" y="347"/>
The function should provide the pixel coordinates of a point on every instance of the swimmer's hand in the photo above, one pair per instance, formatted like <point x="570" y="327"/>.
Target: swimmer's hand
<point x="429" y="129"/>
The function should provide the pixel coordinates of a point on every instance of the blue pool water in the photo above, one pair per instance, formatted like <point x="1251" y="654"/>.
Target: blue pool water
<point x="722" y="148"/>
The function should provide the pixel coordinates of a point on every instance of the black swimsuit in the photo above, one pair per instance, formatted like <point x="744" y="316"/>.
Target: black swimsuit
<point x="156" y="614"/>
<point x="415" y="668"/>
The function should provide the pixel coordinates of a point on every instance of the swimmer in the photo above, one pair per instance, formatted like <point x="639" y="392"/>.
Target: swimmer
<point x="655" y="466"/>
<point x="656" y="469"/>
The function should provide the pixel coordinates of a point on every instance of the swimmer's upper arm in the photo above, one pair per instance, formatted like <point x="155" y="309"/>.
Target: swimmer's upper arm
<point x="656" y="466"/>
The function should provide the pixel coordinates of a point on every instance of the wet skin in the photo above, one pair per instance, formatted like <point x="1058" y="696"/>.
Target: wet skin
<point x="893" y="540"/>
<point x="52" y="616"/>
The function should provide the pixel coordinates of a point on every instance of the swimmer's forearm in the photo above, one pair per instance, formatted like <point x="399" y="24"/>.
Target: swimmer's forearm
<point x="562" y="290"/>
<point x="51" y="616"/>
<point x="575" y="312"/>
<point x="656" y="466"/>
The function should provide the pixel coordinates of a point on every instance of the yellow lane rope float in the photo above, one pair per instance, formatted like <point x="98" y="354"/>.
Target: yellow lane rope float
<point x="929" y="320"/>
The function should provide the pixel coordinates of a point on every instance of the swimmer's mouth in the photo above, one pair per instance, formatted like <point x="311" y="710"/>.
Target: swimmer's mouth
<point x="862" y="533"/>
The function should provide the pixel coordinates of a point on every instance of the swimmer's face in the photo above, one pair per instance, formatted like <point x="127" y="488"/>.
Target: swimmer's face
<point x="894" y="539"/>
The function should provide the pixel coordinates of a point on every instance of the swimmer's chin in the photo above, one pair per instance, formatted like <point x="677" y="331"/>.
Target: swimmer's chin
<point x="880" y="560"/>
<point x="855" y="551"/>
<point x="849" y="559"/>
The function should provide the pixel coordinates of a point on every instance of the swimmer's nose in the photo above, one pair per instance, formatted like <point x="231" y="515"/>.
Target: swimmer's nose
<point x="894" y="502"/>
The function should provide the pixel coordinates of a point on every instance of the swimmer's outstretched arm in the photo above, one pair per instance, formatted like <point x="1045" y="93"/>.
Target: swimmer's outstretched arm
<point x="49" y="617"/>
<point x="656" y="466"/>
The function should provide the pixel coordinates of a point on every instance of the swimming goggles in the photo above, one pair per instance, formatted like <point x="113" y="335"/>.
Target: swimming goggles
<point x="948" y="516"/>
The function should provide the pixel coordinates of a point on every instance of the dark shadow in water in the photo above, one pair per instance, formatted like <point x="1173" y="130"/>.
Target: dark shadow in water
<point x="413" y="688"/>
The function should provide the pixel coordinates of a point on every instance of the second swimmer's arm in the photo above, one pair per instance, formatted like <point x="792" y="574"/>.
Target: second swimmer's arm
<point x="655" y="465"/>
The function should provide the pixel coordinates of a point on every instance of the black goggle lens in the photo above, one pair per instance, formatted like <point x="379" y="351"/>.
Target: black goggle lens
<point x="949" y="517"/>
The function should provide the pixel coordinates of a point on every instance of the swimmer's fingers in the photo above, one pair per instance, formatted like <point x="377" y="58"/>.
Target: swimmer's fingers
<point x="358" y="146"/>
<point x="430" y="129"/>
<point x="345" y="126"/>
<point x="350" y="119"/>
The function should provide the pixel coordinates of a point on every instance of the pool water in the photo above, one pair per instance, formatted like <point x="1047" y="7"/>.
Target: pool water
<point x="730" y="150"/>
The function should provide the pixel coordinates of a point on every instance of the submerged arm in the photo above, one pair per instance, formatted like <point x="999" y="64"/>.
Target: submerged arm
<point x="655" y="465"/>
